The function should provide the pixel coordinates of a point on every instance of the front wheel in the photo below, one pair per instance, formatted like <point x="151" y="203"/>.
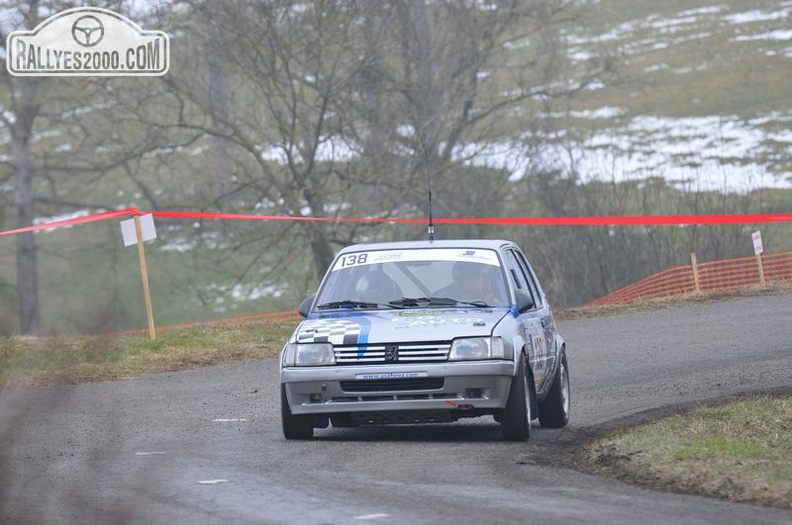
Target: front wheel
<point x="516" y="417"/>
<point x="294" y="427"/>
<point x="554" y="409"/>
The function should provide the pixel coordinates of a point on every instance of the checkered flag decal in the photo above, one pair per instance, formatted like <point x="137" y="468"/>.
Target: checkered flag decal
<point x="335" y="331"/>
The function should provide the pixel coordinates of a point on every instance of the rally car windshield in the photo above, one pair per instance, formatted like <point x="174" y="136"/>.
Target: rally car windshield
<point x="420" y="278"/>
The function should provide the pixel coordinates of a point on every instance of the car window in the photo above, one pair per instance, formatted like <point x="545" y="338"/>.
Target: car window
<point x="511" y="264"/>
<point x="413" y="279"/>
<point x="520" y="274"/>
<point x="385" y="276"/>
<point x="530" y="278"/>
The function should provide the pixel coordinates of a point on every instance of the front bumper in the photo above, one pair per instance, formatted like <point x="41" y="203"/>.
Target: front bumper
<point x="464" y="385"/>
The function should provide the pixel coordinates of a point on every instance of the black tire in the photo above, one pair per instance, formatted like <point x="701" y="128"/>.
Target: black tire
<point x="515" y="419"/>
<point x="294" y="427"/>
<point x="554" y="408"/>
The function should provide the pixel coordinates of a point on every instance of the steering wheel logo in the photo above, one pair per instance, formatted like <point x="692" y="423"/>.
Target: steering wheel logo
<point x="88" y="31"/>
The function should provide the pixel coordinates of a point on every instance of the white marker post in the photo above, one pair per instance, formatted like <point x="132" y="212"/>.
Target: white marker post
<point x="758" y="249"/>
<point x="136" y="231"/>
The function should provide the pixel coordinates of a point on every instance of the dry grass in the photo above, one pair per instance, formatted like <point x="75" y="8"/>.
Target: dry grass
<point x="739" y="451"/>
<point x="36" y="361"/>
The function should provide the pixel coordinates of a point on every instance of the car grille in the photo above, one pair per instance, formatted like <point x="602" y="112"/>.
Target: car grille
<point x="407" y="353"/>
<point x="392" y="385"/>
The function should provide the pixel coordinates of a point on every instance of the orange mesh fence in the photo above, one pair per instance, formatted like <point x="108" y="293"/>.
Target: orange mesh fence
<point x="288" y="316"/>
<point x="713" y="276"/>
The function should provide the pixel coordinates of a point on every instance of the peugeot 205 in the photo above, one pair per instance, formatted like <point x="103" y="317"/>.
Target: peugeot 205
<point x="425" y="332"/>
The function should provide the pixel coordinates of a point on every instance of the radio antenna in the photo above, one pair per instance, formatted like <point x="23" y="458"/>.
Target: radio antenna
<point x="428" y="184"/>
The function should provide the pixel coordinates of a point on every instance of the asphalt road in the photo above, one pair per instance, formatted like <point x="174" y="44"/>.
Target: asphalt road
<point x="205" y="446"/>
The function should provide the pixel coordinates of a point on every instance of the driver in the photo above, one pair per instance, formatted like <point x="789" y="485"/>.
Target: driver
<point x="470" y="282"/>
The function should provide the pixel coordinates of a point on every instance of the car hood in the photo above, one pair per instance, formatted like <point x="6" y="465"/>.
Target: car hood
<point x="409" y="325"/>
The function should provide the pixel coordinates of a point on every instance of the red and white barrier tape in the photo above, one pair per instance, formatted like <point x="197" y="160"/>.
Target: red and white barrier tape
<point x="642" y="220"/>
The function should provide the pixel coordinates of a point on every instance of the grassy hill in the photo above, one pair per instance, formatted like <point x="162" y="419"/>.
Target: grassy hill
<point x="704" y="86"/>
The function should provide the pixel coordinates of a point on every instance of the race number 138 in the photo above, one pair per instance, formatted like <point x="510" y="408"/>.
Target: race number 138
<point x="352" y="260"/>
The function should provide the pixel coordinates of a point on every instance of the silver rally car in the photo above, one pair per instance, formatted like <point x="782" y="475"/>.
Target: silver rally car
<point x="425" y="332"/>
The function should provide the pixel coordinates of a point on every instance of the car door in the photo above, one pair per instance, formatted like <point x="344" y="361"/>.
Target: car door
<point x="530" y="321"/>
<point x="542" y="322"/>
<point x="546" y="345"/>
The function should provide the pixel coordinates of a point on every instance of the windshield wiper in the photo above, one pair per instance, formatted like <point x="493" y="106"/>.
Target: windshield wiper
<point x="353" y="304"/>
<point x="477" y="304"/>
<point x="415" y="302"/>
<point x="422" y="301"/>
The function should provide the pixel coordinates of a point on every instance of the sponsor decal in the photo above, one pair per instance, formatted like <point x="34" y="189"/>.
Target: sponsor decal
<point x="432" y="321"/>
<point x="87" y="41"/>
<point x="393" y="375"/>
<point x="482" y="256"/>
<point x="426" y="254"/>
<point x="387" y="256"/>
<point x="335" y="331"/>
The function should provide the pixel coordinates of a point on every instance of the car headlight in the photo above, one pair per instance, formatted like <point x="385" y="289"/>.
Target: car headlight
<point x="472" y="348"/>
<point x="309" y="354"/>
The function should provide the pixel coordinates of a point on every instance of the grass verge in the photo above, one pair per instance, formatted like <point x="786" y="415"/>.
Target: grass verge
<point x="40" y="361"/>
<point x="738" y="451"/>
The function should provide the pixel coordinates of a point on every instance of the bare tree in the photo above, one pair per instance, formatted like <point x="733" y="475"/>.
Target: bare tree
<point x="330" y="108"/>
<point x="321" y="109"/>
<point x="457" y="78"/>
<point x="24" y="108"/>
<point x="61" y="143"/>
<point x="286" y="124"/>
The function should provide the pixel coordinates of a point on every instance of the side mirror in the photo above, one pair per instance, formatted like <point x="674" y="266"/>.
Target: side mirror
<point x="524" y="301"/>
<point x="305" y="306"/>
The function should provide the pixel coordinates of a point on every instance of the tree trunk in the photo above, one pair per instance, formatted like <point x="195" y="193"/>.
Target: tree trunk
<point x="220" y="105"/>
<point x="421" y="46"/>
<point x="372" y="83"/>
<point x="320" y="244"/>
<point x="27" y="266"/>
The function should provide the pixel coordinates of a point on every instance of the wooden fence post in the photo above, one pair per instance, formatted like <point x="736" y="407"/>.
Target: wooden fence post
<point x="694" y="264"/>
<point x="761" y="268"/>
<point x="144" y="275"/>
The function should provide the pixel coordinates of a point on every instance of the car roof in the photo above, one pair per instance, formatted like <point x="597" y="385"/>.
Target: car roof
<point x="490" y="244"/>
